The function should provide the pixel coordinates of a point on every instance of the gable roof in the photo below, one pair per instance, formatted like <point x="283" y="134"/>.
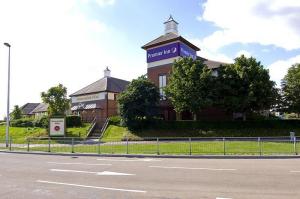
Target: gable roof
<point x="105" y="84"/>
<point x="167" y="38"/>
<point x="28" y="108"/>
<point x="40" y="108"/>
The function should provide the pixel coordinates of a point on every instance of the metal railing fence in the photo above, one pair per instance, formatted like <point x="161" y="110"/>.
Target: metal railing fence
<point x="161" y="146"/>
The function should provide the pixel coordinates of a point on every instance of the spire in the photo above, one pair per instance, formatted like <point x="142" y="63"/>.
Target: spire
<point x="106" y="72"/>
<point x="171" y="26"/>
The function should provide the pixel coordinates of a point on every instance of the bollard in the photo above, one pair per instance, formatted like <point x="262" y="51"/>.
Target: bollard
<point x="224" y="146"/>
<point x="259" y="145"/>
<point x="10" y="141"/>
<point x="72" y="145"/>
<point x="28" y="144"/>
<point x="190" y="141"/>
<point x="127" y="145"/>
<point x="295" y="145"/>
<point x="99" y="150"/>
<point x="49" y="145"/>
<point x="157" y="146"/>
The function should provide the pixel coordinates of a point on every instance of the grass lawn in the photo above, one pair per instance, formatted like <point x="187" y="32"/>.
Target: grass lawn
<point x="178" y="148"/>
<point x="117" y="133"/>
<point x="20" y="134"/>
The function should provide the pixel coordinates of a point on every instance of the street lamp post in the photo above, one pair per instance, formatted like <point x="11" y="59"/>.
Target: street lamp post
<point x="8" y="94"/>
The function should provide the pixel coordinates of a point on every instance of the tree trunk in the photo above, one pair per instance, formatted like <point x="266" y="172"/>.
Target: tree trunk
<point x="178" y="116"/>
<point x="194" y="116"/>
<point x="244" y="117"/>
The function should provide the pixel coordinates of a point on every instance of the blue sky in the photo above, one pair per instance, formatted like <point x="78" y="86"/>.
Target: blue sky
<point x="72" y="41"/>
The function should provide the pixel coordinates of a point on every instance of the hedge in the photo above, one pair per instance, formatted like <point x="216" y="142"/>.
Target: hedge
<point x="73" y="121"/>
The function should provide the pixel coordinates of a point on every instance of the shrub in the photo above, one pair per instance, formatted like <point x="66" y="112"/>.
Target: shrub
<point x="24" y="122"/>
<point x="42" y="122"/>
<point x="73" y="121"/>
<point x="115" y="120"/>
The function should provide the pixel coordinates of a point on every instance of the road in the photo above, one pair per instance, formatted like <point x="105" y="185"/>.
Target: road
<point x="53" y="176"/>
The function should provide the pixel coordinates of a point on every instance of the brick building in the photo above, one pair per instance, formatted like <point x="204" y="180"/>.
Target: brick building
<point x="99" y="99"/>
<point x="161" y="54"/>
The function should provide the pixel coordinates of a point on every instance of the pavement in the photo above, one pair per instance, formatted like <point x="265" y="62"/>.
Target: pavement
<point x="55" y="176"/>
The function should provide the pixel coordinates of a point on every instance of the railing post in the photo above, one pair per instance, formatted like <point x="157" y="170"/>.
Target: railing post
<point x="49" y="145"/>
<point x="224" y="146"/>
<point x="10" y="141"/>
<point x="99" y="150"/>
<point x="28" y="144"/>
<point x="259" y="145"/>
<point x="157" y="146"/>
<point x="190" y="142"/>
<point x="72" y="145"/>
<point x="127" y="145"/>
<point x="295" y="145"/>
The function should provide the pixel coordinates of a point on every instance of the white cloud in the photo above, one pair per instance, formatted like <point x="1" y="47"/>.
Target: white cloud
<point x="271" y="22"/>
<point x="54" y="42"/>
<point x="279" y="68"/>
<point x="243" y="52"/>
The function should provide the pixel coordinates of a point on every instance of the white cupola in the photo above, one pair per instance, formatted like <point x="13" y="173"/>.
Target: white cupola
<point x="106" y="72"/>
<point x="171" y="26"/>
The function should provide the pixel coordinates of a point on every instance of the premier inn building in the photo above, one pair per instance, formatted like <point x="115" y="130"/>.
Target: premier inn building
<point x="98" y="100"/>
<point x="161" y="54"/>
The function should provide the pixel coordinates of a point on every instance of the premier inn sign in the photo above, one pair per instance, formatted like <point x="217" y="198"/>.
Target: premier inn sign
<point x="57" y="127"/>
<point x="169" y="51"/>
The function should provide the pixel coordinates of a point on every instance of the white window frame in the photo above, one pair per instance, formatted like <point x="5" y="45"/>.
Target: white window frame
<point x="162" y="83"/>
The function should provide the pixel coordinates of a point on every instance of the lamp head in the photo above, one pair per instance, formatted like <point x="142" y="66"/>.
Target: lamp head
<point x="7" y="44"/>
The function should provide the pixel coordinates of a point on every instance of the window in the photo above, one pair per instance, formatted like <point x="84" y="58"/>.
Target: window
<point x="162" y="84"/>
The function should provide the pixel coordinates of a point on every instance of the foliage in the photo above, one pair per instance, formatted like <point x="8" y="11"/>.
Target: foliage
<point x="245" y="86"/>
<point x="16" y="113"/>
<point x="115" y="120"/>
<point x="138" y="103"/>
<point x="24" y="122"/>
<point x="291" y="89"/>
<point x="42" y="122"/>
<point x="73" y="121"/>
<point x="56" y="97"/>
<point x="190" y="85"/>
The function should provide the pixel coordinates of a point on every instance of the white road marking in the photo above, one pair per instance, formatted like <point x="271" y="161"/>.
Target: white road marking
<point x="94" y="187"/>
<point x="295" y="171"/>
<point x="78" y="163"/>
<point x="190" y="168"/>
<point x="222" y="198"/>
<point x="104" y="173"/>
<point x="130" y="160"/>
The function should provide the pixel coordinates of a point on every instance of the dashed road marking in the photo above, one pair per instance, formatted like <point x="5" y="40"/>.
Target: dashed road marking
<point x="295" y="171"/>
<point x="193" y="168"/>
<point x="222" y="198"/>
<point x="130" y="160"/>
<point x="93" y="187"/>
<point x="103" y="173"/>
<point x="77" y="163"/>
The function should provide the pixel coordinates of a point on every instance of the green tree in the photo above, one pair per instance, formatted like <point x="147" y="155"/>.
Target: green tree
<point x="138" y="103"/>
<point x="291" y="89"/>
<point x="190" y="86"/>
<point x="245" y="86"/>
<point x="16" y="113"/>
<point x="56" y="97"/>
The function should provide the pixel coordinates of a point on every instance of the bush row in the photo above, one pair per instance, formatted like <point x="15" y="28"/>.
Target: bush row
<point x="43" y="122"/>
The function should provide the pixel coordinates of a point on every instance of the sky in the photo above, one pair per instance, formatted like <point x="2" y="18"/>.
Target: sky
<point x="73" y="41"/>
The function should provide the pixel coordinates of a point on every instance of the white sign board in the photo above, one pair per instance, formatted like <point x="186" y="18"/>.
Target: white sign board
<point x="86" y="98"/>
<point x="57" y="127"/>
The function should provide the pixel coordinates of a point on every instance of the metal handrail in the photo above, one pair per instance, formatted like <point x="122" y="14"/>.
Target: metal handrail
<point x="90" y="130"/>
<point x="104" y="127"/>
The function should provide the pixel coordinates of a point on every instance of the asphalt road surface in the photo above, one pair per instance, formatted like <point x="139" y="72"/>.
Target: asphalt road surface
<point x="51" y="176"/>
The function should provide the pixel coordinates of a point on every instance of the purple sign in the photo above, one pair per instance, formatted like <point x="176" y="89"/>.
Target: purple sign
<point x="163" y="52"/>
<point x="186" y="51"/>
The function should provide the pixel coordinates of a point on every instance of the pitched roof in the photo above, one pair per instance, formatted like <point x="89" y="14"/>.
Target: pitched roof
<point x="40" y="108"/>
<point x="105" y="84"/>
<point x="211" y="64"/>
<point x="167" y="38"/>
<point x="28" y="108"/>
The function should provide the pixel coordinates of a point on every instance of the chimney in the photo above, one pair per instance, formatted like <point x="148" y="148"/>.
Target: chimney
<point x="171" y="26"/>
<point x="106" y="72"/>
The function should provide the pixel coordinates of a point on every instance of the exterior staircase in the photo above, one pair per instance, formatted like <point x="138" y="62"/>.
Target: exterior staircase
<point x="96" y="130"/>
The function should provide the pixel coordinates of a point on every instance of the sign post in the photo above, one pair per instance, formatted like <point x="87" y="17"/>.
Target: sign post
<point x="57" y="126"/>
